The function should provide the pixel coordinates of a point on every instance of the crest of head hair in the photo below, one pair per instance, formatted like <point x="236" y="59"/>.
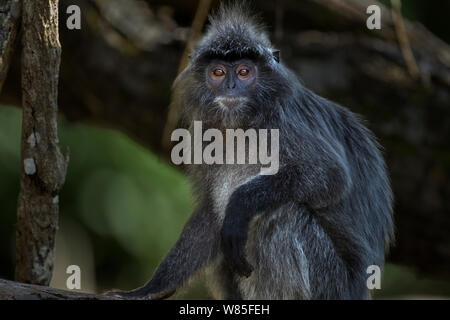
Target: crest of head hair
<point x="234" y="32"/>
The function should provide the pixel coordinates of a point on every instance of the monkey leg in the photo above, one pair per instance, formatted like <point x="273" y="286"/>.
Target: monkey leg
<point x="294" y="258"/>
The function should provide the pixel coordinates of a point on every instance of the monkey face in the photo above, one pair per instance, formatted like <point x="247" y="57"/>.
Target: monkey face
<point x="232" y="91"/>
<point x="231" y="82"/>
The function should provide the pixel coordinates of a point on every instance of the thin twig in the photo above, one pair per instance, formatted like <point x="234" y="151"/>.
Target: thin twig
<point x="403" y="40"/>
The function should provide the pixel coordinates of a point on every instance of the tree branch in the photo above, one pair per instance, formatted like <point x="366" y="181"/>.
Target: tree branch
<point x="10" y="290"/>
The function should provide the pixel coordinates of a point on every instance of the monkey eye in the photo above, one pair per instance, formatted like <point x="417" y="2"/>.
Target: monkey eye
<point x="244" y="72"/>
<point x="219" y="72"/>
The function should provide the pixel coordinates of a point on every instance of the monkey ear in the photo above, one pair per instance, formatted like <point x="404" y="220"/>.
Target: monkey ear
<point x="276" y="55"/>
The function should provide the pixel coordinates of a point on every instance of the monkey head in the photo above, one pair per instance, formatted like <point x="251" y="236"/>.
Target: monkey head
<point x="234" y="76"/>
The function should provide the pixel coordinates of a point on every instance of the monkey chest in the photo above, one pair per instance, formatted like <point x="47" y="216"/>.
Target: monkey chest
<point x="225" y="180"/>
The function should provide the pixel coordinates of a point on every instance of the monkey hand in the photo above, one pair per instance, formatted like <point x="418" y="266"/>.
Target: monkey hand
<point x="234" y="238"/>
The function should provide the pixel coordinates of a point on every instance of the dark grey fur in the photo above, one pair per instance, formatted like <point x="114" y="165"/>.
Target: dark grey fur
<point x="308" y="232"/>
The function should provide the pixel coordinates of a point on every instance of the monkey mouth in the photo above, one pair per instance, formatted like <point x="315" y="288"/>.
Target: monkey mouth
<point x="230" y="102"/>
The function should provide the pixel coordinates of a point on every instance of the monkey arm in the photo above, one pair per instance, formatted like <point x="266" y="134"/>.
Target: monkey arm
<point x="317" y="184"/>
<point x="197" y="246"/>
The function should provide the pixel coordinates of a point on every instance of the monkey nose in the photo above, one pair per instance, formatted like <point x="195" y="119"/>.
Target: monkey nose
<point x="229" y="101"/>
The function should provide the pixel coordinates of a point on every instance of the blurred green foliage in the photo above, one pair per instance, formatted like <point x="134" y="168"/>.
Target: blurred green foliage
<point x="403" y="282"/>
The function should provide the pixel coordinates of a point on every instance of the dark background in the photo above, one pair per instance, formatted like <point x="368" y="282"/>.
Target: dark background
<point x="123" y="204"/>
